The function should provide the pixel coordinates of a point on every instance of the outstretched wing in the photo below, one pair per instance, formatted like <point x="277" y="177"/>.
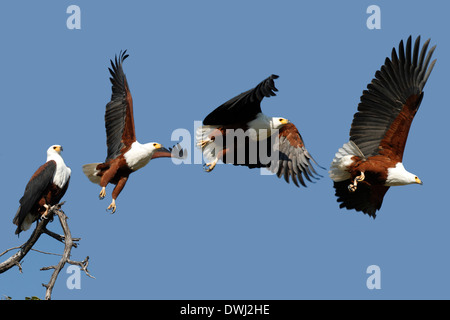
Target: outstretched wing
<point x="389" y="104"/>
<point x="119" y="119"/>
<point x="34" y="190"/>
<point x="174" y="152"/>
<point x="294" y="160"/>
<point x="244" y="107"/>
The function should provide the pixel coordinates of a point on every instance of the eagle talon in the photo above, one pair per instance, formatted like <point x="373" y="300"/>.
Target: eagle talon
<point x="208" y="167"/>
<point x="203" y="143"/>
<point x="352" y="187"/>
<point x="360" y="177"/>
<point x="102" y="194"/>
<point x="112" y="206"/>
<point x="44" y="215"/>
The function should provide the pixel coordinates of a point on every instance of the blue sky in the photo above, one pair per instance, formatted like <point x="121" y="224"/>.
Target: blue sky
<point x="181" y="233"/>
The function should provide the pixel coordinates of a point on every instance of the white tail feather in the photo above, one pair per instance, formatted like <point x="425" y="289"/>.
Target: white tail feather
<point x="342" y="160"/>
<point x="90" y="170"/>
<point x="27" y="222"/>
<point x="210" y="149"/>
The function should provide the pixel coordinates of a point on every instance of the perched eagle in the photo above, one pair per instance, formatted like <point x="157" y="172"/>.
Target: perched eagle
<point x="237" y="132"/>
<point x="371" y="162"/>
<point x="125" y="153"/>
<point x="46" y="187"/>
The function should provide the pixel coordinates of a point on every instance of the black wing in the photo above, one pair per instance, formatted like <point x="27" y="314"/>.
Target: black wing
<point x="38" y="183"/>
<point x="244" y="107"/>
<point x="366" y="198"/>
<point x="293" y="160"/>
<point x="397" y="87"/>
<point x="119" y="119"/>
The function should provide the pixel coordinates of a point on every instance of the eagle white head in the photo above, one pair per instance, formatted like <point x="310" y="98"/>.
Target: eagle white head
<point x="152" y="147"/>
<point x="278" y="122"/>
<point x="54" y="149"/>
<point x="398" y="176"/>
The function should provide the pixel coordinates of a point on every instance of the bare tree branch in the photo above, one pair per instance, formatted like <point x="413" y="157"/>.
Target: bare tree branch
<point x="15" y="259"/>
<point x="67" y="239"/>
<point x="69" y="243"/>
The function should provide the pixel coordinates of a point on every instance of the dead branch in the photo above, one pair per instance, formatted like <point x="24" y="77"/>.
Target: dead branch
<point x="15" y="259"/>
<point x="69" y="243"/>
<point x="67" y="239"/>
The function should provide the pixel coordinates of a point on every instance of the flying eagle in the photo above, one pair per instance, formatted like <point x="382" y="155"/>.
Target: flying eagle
<point x="125" y="153"/>
<point x="371" y="162"/>
<point x="46" y="187"/>
<point x="237" y="132"/>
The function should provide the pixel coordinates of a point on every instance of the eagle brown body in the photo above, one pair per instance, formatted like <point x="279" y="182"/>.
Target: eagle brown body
<point x="371" y="162"/>
<point x="125" y="154"/>
<point x="45" y="188"/>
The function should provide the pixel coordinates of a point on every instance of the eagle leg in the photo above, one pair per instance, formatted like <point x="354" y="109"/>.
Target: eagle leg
<point x="202" y="143"/>
<point x="102" y="193"/>
<point x="112" y="206"/>
<point x="44" y="215"/>
<point x="352" y="186"/>
<point x="210" y="166"/>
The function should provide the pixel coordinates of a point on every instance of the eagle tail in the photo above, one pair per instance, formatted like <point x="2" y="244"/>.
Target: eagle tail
<point x="90" y="170"/>
<point x="343" y="158"/>
<point x="26" y="223"/>
<point x="210" y="147"/>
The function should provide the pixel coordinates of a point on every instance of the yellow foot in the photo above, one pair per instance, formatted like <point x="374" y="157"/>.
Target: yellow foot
<point x="352" y="187"/>
<point x="203" y="143"/>
<point x="102" y="193"/>
<point x="360" y="177"/>
<point x="44" y="215"/>
<point x="112" y="206"/>
<point x="210" y="166"/>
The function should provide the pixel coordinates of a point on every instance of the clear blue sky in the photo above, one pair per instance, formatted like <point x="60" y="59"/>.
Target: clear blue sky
<point x="181" y="233"/>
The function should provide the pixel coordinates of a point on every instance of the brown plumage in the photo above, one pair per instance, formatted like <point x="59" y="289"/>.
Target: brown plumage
<point x="238" y="133"/>
<point x="365" y="168"/>
<point x="45" y="188"/>
<point x="125" y="154"/>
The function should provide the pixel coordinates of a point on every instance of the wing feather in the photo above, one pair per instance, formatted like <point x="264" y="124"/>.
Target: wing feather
<point x="34" y="190"/>
<point x="389" y="104"/>
<point x="294" y="161"/>
<point x="119" y="119"/>
<point x="244" y="107"/>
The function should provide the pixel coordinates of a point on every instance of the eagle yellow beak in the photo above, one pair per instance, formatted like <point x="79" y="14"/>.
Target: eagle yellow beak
<point x="157" y="145"/>
<point x="284" y="121"/>
<point x="418" y="181"/>
<point x="58" y="148"/>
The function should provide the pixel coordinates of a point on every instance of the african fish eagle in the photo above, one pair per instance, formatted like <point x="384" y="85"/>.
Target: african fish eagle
<point x="46" y="187"/>
<point x="278" y="145"/>
<point x="372" y="161"/>
<point x="125" y="154"/>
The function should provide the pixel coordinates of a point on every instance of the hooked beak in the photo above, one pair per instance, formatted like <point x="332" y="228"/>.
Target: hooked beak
<point x="418" y="181"/>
